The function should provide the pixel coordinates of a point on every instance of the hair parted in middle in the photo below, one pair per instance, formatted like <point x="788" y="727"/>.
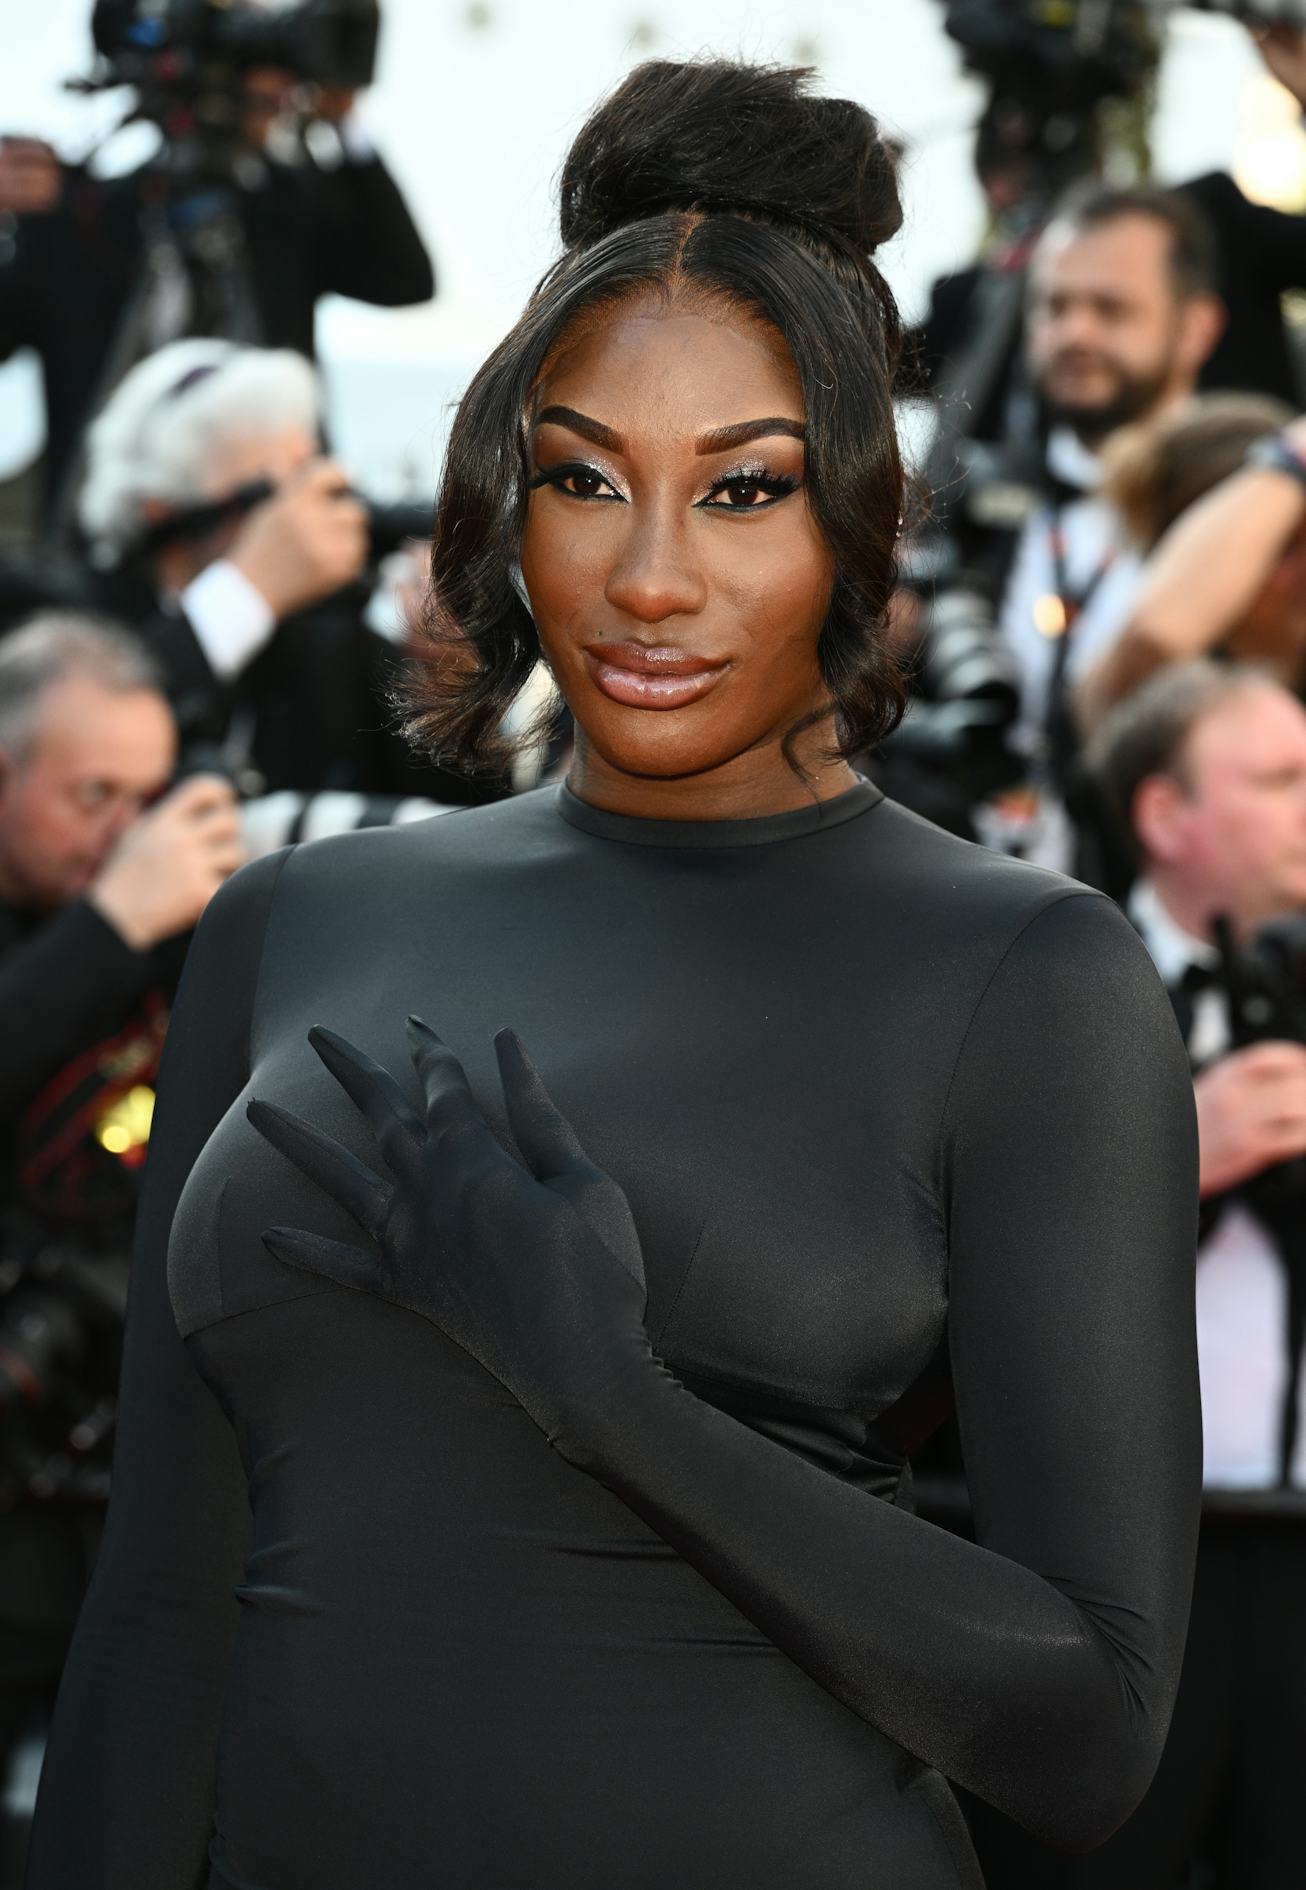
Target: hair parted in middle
<point x="727" y="183"/>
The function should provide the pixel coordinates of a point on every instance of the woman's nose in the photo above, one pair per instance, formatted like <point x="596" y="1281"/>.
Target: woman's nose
<point x="657" y="573"/>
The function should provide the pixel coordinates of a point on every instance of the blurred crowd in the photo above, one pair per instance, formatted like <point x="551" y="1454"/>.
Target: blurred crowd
<point x="201" y="627"/>
<point x="1103" y="608"/>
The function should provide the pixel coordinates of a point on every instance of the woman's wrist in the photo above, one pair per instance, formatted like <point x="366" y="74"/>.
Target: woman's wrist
<point x="598" y="1429"/>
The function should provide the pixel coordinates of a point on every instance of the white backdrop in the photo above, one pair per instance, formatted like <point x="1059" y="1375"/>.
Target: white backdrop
<point x="474" y="105"/>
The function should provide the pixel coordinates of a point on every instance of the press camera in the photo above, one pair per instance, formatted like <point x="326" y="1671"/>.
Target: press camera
<point x="188" y="62"/>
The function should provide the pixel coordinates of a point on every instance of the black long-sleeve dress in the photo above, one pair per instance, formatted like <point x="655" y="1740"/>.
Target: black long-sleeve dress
<point x="888" y="1109"/>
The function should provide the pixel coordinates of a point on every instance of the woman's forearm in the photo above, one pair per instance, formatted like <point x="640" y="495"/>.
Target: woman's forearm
<point x="1213" y="563"/>
<point x="1009" y="1685"/>
<point x="1201" y="580"/>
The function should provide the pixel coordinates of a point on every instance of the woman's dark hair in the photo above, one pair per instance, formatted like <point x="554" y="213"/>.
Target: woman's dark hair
<point x="731" y="182"/>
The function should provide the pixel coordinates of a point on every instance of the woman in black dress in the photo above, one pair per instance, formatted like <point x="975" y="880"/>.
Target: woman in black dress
<point x="512" y="1487"/>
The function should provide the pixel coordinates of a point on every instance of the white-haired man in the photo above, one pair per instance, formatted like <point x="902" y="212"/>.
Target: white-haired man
<point x="212" y="519"/>
<point x="217" y="529"/>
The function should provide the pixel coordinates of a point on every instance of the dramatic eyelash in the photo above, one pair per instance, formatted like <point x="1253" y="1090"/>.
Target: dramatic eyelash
<point x="776" y="485"/>
<point x="567" y="469"/>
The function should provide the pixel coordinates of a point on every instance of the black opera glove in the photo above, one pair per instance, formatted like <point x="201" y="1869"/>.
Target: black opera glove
<point x="535" y="1270"/>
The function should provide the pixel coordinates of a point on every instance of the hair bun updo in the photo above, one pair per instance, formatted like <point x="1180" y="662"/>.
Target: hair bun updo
<point x="717" y="136"/>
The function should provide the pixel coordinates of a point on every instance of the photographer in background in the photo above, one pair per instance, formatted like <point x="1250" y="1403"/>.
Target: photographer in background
<point x="1042" y="128"/>
<point x="177" y="550"/>
<point x="218" y="234"/>
<point x="1227" y="574"/>
<point x="104" y="871"/>
<point x="1204" y="769"/>
<point x="216" y="529"/>
<point x="1122" y="314"/>
<point x="1029" y="569"/>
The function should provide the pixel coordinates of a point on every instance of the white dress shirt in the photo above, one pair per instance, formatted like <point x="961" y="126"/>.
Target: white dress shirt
<point x="1093" y="535"/>
<point x="231" y="618"/>
<point x="1242" y="1288"/>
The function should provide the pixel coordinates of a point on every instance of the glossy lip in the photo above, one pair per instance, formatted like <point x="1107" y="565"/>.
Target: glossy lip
<point x="651" y="676"/>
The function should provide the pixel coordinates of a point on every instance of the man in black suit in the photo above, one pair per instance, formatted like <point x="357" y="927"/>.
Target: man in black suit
<point x="105" y="866"/>
<point x="76" y="252"/>
<point x="219" y="532"/>
<point x="1205" y="768"/>
<point x="1261" y="252"/>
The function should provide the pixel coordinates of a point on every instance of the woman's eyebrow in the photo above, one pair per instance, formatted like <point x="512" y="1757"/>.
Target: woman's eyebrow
<point x="592" y="430"/>
<point x="721" y="439"/>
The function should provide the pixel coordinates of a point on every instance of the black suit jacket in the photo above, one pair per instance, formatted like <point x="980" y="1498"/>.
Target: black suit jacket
<point x="308" y="232"/>
<point x="314" y="699"/>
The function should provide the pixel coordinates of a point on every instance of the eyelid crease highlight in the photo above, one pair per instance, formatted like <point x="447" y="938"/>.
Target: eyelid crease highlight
<point x="775" y="485"/>
<point x="569" y="469"/>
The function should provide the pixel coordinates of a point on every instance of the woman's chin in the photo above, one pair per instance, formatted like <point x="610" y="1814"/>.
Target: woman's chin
<point x="658" y="744"/>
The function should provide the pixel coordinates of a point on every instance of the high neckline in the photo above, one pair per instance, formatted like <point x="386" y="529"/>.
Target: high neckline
<point x="757" y="830"/>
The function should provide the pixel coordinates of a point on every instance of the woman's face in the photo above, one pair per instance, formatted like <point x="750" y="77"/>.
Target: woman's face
<point x="676" y="574"/>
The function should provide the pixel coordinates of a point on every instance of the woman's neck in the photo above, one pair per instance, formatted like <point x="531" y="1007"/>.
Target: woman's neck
<point x="750" y="785"/>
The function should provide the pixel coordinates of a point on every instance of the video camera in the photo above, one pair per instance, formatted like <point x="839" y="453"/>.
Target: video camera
<point x="1080" y="51"/>
<point x="966" y="697"/>
<point x="389" y="525"/>
<point x="1265" y="982"/>
<point x="1264" y="986"/>
<point x="188" y="61"/>
<point x="1050" y="64"/>
<point x="164" y="47"/>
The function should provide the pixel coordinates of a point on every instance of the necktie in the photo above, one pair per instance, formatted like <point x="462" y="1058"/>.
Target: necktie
<point x="1183" y="995"/>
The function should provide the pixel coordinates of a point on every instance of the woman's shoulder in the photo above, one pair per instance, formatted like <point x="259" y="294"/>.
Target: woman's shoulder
<point x="961" y="885"/>
<point x="996" y="929"/>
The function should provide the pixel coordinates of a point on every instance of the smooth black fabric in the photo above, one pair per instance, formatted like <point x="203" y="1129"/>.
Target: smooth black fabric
<point x="879" y="1100"/>
<point x="1227" y="1797"/>
<point x="1228" y="1792"/>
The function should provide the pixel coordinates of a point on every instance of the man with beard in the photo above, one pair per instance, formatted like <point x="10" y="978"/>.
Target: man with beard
<point x="1122" y="314"/>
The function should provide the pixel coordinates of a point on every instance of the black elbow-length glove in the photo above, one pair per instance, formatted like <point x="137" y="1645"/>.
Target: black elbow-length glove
<point x="535" y="1270"/>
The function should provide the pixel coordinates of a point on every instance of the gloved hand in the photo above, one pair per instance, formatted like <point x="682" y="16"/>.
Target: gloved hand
<point x="536" y="1270"/>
